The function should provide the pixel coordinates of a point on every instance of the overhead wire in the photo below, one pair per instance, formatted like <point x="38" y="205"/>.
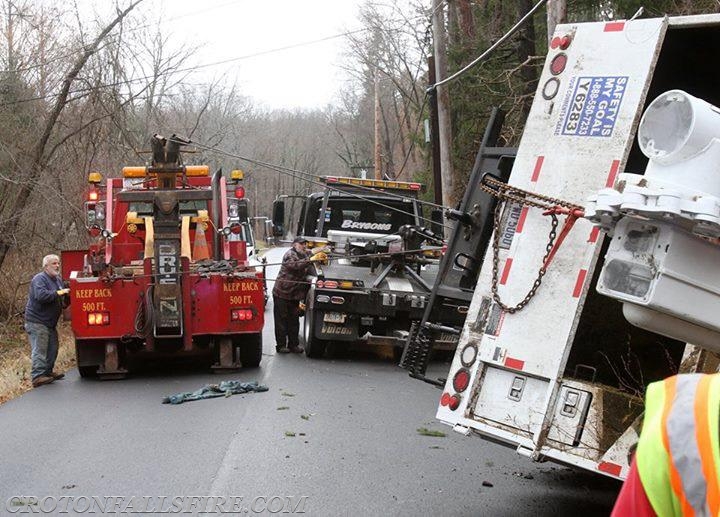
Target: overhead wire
<point x="188" y="69"/>
<point x="495" y="45"/>
<point x="301" y="175"/>
<point x="129" y="30"/>
<point x="294" y="173"/>
<point x="182" y="70"/>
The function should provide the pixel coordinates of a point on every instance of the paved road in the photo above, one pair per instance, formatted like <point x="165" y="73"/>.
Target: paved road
<point x="356" y="449"/>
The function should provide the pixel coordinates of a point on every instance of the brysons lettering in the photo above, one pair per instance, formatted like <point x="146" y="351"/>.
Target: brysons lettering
<point x="357" y="225"/>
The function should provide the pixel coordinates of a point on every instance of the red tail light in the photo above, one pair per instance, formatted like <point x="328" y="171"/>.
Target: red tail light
<point x="98" y="318"/>
<point x="561" y="42"/>
<point x="557" y="65"/>
<point x="451" y="401"/>
<point x="241" y="314"/>
<point x="461" y="380"/>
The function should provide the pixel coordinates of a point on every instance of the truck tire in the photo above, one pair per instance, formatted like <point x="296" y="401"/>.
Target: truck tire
<point x="86" y="371"/>
<point x="314" y="347"/>
<point x="250" y="350"/>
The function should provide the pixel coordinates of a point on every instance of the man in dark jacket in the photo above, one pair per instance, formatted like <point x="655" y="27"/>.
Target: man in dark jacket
<point x="290" y="288"/>
<point x="44" y="306"/>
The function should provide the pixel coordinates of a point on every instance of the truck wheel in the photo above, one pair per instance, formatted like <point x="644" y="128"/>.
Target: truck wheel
<point x="86" y="371"/>
<point x="314" y="347"/>
<point x="251" y="350"/>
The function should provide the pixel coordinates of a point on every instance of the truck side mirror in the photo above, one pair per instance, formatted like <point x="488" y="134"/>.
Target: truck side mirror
<point x="268" y="233"/>
<point x="243" y="210"/>
<point x="437" y="222"/>
<point x="278" y="217"/>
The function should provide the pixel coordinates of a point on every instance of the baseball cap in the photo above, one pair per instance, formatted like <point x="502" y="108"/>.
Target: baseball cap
<point x="301" y="240"/>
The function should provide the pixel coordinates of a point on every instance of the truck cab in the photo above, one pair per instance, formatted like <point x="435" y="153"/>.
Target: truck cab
<point x="380" y="271"/>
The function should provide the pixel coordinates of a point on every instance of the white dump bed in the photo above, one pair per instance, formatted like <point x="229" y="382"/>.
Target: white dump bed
<point x="577" y="139"/>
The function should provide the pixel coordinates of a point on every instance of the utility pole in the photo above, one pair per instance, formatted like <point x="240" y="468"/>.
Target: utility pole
<point x="378" y="136"/>
<point x="434" y="135"/>
<point x="443" y="101"/>
<point x="10" y="36"/>
<point x="556" y="13"/>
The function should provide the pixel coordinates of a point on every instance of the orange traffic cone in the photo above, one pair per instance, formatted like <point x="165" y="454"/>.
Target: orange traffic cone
<point x="200" y="247"/>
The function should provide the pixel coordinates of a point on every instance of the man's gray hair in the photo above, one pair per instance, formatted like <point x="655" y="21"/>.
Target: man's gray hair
<point x="49" y="258"/>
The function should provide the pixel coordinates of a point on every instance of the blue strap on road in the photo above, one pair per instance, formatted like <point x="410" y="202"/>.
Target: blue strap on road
<point x="211" y="391"/>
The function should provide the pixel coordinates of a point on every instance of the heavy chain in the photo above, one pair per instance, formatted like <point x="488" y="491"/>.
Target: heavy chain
<point x="504" y="193"/>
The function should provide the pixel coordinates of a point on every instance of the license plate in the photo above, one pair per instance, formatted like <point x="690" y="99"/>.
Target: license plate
<point x="334" y="317"/>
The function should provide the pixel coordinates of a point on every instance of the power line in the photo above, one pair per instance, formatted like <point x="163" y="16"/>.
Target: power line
<point x="128" y="31"/>
<point x="306" y="176"/>
<point x="190" y="69"/>
<point x="293" y="172"/>
<point x="495" y="45"/>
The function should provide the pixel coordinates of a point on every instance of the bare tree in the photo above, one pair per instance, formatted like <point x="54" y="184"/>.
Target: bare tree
<point x="39" y="155"/>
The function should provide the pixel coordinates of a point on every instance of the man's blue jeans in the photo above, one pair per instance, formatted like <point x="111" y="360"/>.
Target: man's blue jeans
<point x="44" y="346"/>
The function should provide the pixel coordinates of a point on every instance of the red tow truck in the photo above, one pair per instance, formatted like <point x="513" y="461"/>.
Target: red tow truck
<point x="167" y="272"/>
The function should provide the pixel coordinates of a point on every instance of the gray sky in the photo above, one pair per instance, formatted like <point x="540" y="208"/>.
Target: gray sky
<point x="306" y="76"/>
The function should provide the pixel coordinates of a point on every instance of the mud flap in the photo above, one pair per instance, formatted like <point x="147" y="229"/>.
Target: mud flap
<point x="111" y="369"/>
<point x="225" y="355"/>
<point x="347" y="331"/>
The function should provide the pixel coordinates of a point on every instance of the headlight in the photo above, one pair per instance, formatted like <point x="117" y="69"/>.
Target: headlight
<point x="233" y="210"/>
<point x="100" y="212"/>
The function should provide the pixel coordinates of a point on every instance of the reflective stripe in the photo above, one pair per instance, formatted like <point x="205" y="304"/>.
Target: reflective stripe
<point x="652" y="458"/>
<point x="675" y="480"/>
<point x="678" y="456"/>
<point x="713" y="404"/>
<point x="704" y="414"/>
<point x="683" y="445"/>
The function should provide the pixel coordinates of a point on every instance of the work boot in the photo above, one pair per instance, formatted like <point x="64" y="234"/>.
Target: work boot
<point x="57" y="376"/>
<point x="297" y="349"/>
<point x="282" y="350"/>
<point x="43" y="379"/>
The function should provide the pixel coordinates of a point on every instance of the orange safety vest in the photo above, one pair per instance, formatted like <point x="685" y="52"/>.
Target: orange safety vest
<point x="678" y="454"/>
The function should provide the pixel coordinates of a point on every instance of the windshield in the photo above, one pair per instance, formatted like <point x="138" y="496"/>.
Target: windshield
<point x="360" y="215"/>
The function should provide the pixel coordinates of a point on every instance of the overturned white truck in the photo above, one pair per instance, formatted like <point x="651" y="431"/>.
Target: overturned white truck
<point x="563" y="378"/>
